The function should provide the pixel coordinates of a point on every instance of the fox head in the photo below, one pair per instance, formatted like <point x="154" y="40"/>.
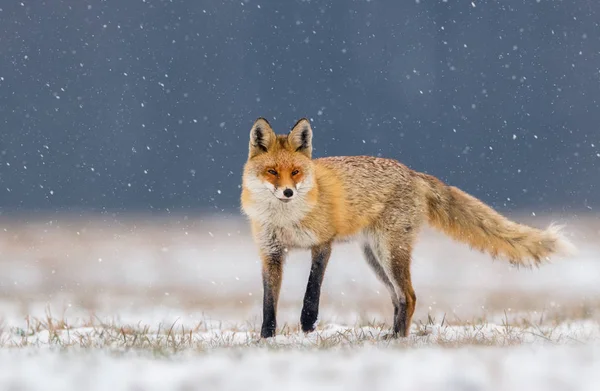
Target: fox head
<point x="279" y="169"/>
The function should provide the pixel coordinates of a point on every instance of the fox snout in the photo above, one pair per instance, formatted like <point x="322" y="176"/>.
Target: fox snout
<point x="286" y="194"/>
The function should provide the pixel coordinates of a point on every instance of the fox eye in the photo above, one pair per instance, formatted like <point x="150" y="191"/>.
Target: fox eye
<point x="295" y="172"/>
<point x="272" y="172"/>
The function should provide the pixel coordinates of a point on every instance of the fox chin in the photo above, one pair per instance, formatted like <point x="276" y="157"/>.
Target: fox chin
<point x="296" y="202"/>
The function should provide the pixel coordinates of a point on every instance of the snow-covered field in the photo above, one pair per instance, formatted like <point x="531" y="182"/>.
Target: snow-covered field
<point x="149" y="303"/>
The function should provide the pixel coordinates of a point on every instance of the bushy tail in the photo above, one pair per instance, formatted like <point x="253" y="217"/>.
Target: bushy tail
<point x="467" y="219"/>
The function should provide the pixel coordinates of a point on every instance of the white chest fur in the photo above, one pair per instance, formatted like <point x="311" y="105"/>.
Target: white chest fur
<point x="280" y="221"/>
<point x="294" y="236"/>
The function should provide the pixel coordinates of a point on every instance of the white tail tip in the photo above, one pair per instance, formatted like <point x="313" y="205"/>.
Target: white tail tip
<point x="564" y="247"/>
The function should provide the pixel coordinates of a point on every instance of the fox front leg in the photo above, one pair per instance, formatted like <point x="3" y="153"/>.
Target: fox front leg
<point x="272" y="274"/>
<point x="310" y="309"/>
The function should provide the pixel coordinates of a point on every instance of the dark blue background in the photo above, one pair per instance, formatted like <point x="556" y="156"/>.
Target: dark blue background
<point x="147" y="105"/>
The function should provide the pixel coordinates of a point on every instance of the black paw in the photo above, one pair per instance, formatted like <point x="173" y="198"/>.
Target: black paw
<point x="389" y="336"/>
<point x="267" y="332"/>
<point x="308" y="321"/>
<point x="400" y="332"/>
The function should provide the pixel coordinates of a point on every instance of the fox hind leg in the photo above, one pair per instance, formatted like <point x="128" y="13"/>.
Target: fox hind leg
<point x="375" y="265"/>
<point x="394" y="255"/>
<point x="399" y="269"/>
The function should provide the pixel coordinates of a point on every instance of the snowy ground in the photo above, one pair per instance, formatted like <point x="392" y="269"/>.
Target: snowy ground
<point x="144" y="303"/>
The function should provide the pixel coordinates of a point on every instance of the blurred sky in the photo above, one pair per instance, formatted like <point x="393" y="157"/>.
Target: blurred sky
<point x="146" y="105"/>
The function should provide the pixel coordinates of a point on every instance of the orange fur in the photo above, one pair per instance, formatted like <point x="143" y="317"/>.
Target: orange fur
<point x="467" y="219"/>
<point x="294" y="201"/>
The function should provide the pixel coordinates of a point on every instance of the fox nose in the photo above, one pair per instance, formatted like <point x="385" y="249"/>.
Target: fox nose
<point x="288" y="193"/>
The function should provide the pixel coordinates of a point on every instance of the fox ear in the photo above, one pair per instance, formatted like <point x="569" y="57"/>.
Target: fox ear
<point x="261" y="137"/>
<point x="300" y="138"/>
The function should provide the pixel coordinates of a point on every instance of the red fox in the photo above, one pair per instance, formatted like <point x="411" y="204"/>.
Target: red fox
<point x="296" y="202"/>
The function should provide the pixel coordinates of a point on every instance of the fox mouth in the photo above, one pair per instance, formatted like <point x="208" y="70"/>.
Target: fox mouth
<point x="284" y="200"/>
